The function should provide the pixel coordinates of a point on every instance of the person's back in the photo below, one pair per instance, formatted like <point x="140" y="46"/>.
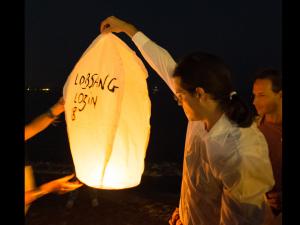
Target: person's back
<point x="233" y="165"/>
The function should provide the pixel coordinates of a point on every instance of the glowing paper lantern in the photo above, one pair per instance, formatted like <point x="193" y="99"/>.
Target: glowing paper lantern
<point x="107" y="110"/>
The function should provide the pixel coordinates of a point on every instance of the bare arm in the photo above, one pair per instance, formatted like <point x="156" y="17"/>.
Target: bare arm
<point x="43" y="121"/>
<point x="60" y="186"/>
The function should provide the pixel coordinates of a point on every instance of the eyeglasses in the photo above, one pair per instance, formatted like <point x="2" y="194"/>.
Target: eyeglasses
<point x="178" y="97"/>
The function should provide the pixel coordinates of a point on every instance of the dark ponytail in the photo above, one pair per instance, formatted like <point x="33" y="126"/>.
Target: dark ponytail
<point x="213" y="75"/>
<point x="239" y="113"/>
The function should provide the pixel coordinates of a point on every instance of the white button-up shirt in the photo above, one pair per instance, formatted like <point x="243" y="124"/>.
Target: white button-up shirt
<point x="226" y="171"/>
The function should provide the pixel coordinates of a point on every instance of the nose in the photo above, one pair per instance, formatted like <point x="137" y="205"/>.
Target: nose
<point x="255" y="100"/>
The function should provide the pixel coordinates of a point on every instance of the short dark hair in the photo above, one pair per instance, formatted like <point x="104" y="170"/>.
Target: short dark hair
<point x="211" y="73"/>
<point x="274" y="75"/>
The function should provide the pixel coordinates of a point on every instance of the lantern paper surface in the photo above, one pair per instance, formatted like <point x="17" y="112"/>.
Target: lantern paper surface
<point x="107" y="110"/>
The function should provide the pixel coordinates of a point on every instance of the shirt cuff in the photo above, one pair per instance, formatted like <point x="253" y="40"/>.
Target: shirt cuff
<point x="140" y="39"/>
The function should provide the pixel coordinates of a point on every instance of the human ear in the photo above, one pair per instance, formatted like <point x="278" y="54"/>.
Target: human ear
<point x="200" y="93"/>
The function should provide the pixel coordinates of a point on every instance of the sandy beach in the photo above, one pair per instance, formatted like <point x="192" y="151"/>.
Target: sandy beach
<point x="151" y="202"/>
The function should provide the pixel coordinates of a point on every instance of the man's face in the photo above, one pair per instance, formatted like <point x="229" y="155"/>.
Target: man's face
<point x="189" y="103"/>
<point x="265" y="100"/>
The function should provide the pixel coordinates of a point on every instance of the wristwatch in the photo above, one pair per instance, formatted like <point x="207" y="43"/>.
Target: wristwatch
<point x="49" y="114"/>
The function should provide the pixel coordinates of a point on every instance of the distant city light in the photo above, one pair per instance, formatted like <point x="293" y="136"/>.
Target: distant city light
<point x="155" y="90"/>
<point x="41" y="89"/>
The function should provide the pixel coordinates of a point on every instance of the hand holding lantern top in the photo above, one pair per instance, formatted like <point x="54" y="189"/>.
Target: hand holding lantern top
<point x="113" y="24"/>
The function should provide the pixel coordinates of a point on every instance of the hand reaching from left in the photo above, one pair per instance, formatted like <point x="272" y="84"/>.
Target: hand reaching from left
<point x="175" y="220"/>
<point x="60" y="186"/>
<point x="59" y="107"/>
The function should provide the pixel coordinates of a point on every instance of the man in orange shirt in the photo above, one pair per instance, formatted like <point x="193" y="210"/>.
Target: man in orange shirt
<point x="267" y="91"/>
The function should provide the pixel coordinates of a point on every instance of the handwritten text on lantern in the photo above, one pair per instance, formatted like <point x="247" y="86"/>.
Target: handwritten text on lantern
<point x="87" y="82"/>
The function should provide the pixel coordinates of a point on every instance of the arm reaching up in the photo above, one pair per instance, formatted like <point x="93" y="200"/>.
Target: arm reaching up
<point x="157" y="57"/>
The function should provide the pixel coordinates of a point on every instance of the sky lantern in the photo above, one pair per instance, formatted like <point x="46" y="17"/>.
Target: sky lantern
<point x="107" y="110"/>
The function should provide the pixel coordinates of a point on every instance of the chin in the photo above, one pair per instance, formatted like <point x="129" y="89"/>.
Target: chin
<point x="193" y="118"/>
<point x="189" y="117"/>
<point x="260" y="112"/>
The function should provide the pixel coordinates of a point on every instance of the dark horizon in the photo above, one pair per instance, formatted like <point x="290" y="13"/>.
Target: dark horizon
<point x="247" y="35"/>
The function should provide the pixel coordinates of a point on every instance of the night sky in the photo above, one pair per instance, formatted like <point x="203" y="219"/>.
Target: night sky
<point x="246" y="34"/>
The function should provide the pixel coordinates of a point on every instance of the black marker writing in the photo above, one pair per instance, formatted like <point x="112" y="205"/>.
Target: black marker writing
<point x="113" y="88"/>
<point x="73" y="113"/>
<point x="89" y="81"/>
<point x="97" y="82"/>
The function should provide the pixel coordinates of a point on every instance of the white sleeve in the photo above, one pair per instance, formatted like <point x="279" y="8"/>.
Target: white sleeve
<point x="157" y="57"/>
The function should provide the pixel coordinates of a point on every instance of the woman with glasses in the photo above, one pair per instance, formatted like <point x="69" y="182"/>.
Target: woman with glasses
<point x="226" y="168"/>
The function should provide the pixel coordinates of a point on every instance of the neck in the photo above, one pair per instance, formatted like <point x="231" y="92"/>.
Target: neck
<point x="212" y="119"/>
<point x="211" y="113"/>
<point x="274" y="118"/>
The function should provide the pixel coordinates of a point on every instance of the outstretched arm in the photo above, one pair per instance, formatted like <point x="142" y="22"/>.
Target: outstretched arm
<point x="60" y="186"/>
<point x="44" y="120"/>
<point x="157" y="57"/>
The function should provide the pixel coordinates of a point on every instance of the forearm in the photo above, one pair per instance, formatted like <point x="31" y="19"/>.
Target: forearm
<point x="34" y="194"/>
<point x="130" y="30"/>
<point x="157" y="57"/>
<point x="59" y="186"/>
<point x="37" y="125"/>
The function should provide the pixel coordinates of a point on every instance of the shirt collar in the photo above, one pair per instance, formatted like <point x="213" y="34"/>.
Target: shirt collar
<point x="259" y="120"/>
<point x="220" y="131"/>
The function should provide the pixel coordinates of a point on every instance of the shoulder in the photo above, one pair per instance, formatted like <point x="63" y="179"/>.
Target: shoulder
<point x="250" y="138"/>
<point x="239" y="145"/>
<point x="245" y="145"/>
